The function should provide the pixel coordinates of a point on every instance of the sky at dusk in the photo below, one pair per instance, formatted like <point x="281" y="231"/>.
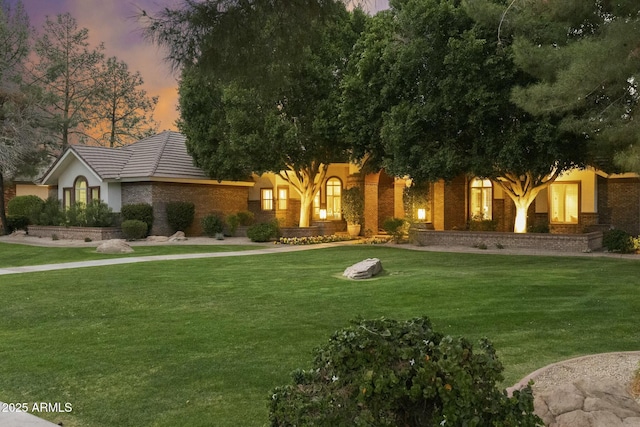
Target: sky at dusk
<point x="113" y="23"/>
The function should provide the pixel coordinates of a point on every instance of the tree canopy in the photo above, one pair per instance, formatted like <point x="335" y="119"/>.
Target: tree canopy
<point x="262" y="98"/>
<point x="435" y="92"/>
<point x="586" y="58"/>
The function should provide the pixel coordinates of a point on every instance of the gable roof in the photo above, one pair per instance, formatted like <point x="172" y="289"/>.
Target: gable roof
<point x="159" y="156"/>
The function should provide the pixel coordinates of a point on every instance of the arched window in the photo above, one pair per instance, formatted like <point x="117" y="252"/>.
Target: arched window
<point x="481" y="199"/>
<point x="80" y="187"/>
<point x="334" y="198"/>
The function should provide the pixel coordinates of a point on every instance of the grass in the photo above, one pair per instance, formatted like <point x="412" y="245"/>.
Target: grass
<point x="13" y="255"/>
<point x="202" y="342"/>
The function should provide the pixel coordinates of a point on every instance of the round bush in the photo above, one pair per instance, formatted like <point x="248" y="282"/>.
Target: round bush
<point x="140" y="211"/>
<point x="134" y="229"/>
<point x="180" y="215"/>
<point x="212" y="225"/>
<point x="618" y="241"/>
<point x="17" y="222"/>
<point x="26" y="206"/>
<point x="389" y="373"/>
<point x="262" y="232"/>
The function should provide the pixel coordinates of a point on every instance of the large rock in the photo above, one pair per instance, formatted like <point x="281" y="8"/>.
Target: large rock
<point x="157" y="238"/>
<point x="364" y="269"/>
<point x="178" y="237"/>
<point x="114" y="246"/>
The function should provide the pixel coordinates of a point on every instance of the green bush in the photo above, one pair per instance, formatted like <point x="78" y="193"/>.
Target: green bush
<point x="389" y="373"/>
<point x="618" y="241"/>
<point x="52" y="213"/>
<point x="212" y="224"/>
<point x="245" y="218"/>
<point x="263" y="232"/>
<point x="140" y="211"/>
<point x="394" y="227"/>
<point x="98" y="214"/>
<point x="17" y="222"/>
<point x="180" y="215"/>
<point x="75" y="215"/>
<point x="233" y="221"/>
<point x="538" y="228"/>
<point x="134" y="229"/>
<point x="26" y="206"/>
<point x="479" y="224"/>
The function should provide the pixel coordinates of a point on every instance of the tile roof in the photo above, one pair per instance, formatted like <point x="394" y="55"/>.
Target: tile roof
<point x="159" y="156"/>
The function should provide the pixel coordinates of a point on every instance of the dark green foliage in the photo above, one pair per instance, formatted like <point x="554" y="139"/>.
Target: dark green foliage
<point x="538" y="228"/>
<point x="140" y="211"/>
<point x="618" y="241"/>
<point x="352" y="205"/>
<point x="483" y="225"/>
<point x="263" y="232"/>
<point x="246" y="218"/>
<point x="180" y="215"/>
<point x="233" y="222"/>
<point x="52" y="213"/>
<point x="394" y="227"/>
<point x="17" y="222"/>
<point x="134" y="229"/>
<point x="212" y="225"/>
<point x="390" y="373"/>
<point x="98" y="214"/>
<point x="416" y="197"/>
<point x="27" y="206"/>
<point x="74" y="216"/>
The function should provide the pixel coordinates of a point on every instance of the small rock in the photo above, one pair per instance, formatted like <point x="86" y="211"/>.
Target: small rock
<point x="364" y="269"/>
<point x="19" y="233"/>
<point x="178" y="237"/>
<point x="157" y="238"/>
<point x="114" y="246"/>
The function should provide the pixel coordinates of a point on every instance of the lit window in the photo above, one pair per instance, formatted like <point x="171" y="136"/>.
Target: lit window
<point x="481" y="199"/>
<point x="334" y="198"/>
<point x="67" y="199"/>
<point x="80" y="190"/>
<point x="316" y="206"/>
<point x="266" y="199"/>
<point x="95" y="193"/>
<point x="283" y="195"/>
<point x="563" y="203"/>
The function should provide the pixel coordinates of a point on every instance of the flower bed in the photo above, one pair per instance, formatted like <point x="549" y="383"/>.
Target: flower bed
<point x="313" y="240"/>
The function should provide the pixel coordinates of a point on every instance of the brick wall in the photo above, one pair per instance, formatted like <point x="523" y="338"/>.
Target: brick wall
<point x="455" y="204"/>
<point x="208" y="199"/>
<point x="553" y="242"/>
<point x="619" y="203"/>
<point x="76" y="233"/>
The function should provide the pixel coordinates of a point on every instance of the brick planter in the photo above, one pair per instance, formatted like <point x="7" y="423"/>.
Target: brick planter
<point x="300" y="231"/>
<point x="76" y="233"/>
<point x="553" y="242"/>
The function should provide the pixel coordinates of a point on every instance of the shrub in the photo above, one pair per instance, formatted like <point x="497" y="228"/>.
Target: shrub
<point x="140" y="211"/>
<point x="263" y="232"/>
<point x="17" y="222"/>
<point x="180" y="215"/>
<point x="389" y="373"/>
<point x="52" y="213"/>
<point x="245" y="218"/>
<point x="133" y="229"/>
<point x="394" y="227"/>
<point x="539" y="228"/>
<point x="233" y="221"/>
<point x="212" y="225"/>
<point x="352" y="205"/>
<point x="618" y="241"/>
<point x="98" y="214"/>
<point x="478" y="224"/>
<point x="75" y="215"/>
<point x="26" y="206"/>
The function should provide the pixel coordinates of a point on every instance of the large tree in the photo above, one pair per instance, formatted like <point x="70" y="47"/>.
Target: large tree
<point x="440" y="84"/>
<point x="124" y="111"/>
<point x="68" y="70"/>
<point x="21" y="142"/>
<point x="260" y="86"/>
<point x="586" y="57"/>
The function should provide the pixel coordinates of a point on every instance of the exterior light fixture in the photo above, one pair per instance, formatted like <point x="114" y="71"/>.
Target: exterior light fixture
<point x="323" y="214"/>
<point x="422" y="214"/>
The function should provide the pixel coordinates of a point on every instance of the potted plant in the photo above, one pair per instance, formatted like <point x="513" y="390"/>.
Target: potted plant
<point x="353" y="209"/>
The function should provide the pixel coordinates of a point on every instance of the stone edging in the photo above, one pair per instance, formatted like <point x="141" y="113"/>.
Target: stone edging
<point x="532" y="376"/>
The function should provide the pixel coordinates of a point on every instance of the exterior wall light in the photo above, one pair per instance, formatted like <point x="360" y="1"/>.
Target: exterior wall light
<point x="323" y="214"/>
<point x="422" y="214"/>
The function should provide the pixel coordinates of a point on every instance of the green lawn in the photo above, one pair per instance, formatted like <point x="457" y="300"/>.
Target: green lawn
<point x="202" y="342"/>
<point x="13" y="255"/>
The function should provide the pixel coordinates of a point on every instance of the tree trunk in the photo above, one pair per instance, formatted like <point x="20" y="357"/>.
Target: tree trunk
<point x="307" y="182"/>
<point x="523" y="189"/>
<point x="3" y="214"/>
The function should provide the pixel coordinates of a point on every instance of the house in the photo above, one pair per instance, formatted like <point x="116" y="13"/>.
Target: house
<point x="158" y="169"/>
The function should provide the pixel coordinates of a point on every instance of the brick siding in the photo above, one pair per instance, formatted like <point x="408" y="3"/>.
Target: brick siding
<point x="619" y="203"/>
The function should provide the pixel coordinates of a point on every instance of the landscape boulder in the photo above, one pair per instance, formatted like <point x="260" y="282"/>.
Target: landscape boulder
<point x="114" y="246"/>
<point x="157" y="238"/>
<point x="363" y="269"/>
<point x="178" y="237"/>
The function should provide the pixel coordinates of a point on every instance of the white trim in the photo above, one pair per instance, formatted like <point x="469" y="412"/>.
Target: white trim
<point x="62" y="161"/>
